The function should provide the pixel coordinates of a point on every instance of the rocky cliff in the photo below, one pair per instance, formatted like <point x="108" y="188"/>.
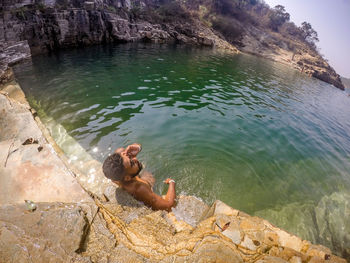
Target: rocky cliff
<point x="272" y="46"/>
<point x="37" y="26"/>
<point x="51" y="25"/>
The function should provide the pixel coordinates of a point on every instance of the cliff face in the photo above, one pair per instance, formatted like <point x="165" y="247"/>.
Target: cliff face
<point x="54" y="24"/>
<point x="37" y="26"/>
<point x="271" y="45"/>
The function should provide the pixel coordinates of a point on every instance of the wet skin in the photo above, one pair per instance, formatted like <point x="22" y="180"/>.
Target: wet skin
<point x="140" y="186"/>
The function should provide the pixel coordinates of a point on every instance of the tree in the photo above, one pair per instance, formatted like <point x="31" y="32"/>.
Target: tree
<point x="289" y="28"/>
<point x="227" y="7"/>
<point x="309" y="34"/>
<point x="278" y="17"/>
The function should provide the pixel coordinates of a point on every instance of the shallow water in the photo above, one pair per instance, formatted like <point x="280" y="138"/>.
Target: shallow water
<point x="250" y="132"/>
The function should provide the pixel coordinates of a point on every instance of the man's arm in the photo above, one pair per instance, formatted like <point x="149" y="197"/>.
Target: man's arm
<point x="156" y="202"/>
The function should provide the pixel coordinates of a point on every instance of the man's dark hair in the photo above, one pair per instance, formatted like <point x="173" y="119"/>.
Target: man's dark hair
<point x="113" y="167"/>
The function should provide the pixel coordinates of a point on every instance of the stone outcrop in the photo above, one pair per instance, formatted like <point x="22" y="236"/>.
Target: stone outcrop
<point x="272" y="46"/>
<point x="113" y="232"/>
<point x="52" y="233"/>
<point x="10" y="54"/>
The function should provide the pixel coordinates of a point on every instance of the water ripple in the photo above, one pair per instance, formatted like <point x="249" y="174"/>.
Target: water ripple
<point x="250" y="132"/>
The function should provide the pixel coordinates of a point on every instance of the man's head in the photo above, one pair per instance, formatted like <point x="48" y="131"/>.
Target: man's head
<point x="113" y="167"/>
<point x="123" y="165"/>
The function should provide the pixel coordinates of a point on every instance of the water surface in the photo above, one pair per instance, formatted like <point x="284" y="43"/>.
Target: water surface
<point x="253" y="133"/>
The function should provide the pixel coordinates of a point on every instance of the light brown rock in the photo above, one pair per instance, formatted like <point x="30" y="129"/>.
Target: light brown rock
<point x="319" y="251"/>
<point x="209" y="250"/>
<point x="52" y="233"/>
<point x="252" y="224"/>
<point x="271" y="259"/>
<point x="248" y="243"/>
<point x="32" y="171"/>
<point x="290" y="241"/>
<point x="222" y="208"/>
<point x="271" y="238"/>
<point x="295" y="259"/>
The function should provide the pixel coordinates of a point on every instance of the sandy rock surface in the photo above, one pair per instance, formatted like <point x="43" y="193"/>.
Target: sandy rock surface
<point x="29" y="166"/>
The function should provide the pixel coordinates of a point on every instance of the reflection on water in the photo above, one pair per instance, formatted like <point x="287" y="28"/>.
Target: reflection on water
<point x="250" y="132"/>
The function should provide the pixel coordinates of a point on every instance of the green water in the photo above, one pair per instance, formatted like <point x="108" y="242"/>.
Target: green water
<point x="250" y="132"/>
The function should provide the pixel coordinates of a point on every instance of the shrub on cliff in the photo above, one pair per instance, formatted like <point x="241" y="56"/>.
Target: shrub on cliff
<point x="169" y="11"/>
<point x="233" y="8"/>
<point x="278" y="16"/>
<point x="173" y="11"/>
<point x="309" y="34"/>
<point x="228" y="27"/>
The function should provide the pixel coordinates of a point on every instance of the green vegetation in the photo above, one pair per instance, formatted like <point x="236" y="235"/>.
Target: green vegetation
<point x="167" y="11"/>
<point x="62" y="4"/>
<point x="20" y="12"/>
<point x="228" y="27"/>
<point x="308" y="33"/>
<point x="37" y="106"/>
<point x="23" y="11"/>
<point x="278" y="17"/>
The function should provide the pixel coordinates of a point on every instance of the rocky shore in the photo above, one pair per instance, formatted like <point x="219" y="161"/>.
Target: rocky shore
<point x="273" y="47"/>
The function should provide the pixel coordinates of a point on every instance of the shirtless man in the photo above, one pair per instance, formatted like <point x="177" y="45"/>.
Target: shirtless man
<point x="123" y="168"/>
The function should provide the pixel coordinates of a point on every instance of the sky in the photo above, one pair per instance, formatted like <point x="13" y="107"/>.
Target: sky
<point x="331" y="20"/>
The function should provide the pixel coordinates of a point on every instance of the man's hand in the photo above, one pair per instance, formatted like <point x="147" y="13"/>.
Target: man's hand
<point x="145" y="194"/>
<point x="133" y="149"/>
<point x="168" y="181"/>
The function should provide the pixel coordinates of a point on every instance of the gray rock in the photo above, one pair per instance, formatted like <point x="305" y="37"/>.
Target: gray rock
<point x="49" y="3"/>
<point x="234" y="235"/>
<point x="15" y="52"/>
<point x="88" y="5"/>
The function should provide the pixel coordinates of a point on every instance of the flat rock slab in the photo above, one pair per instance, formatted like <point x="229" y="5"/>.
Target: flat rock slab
<point x="54" y="232"/>
<point x="32" y="171"/>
